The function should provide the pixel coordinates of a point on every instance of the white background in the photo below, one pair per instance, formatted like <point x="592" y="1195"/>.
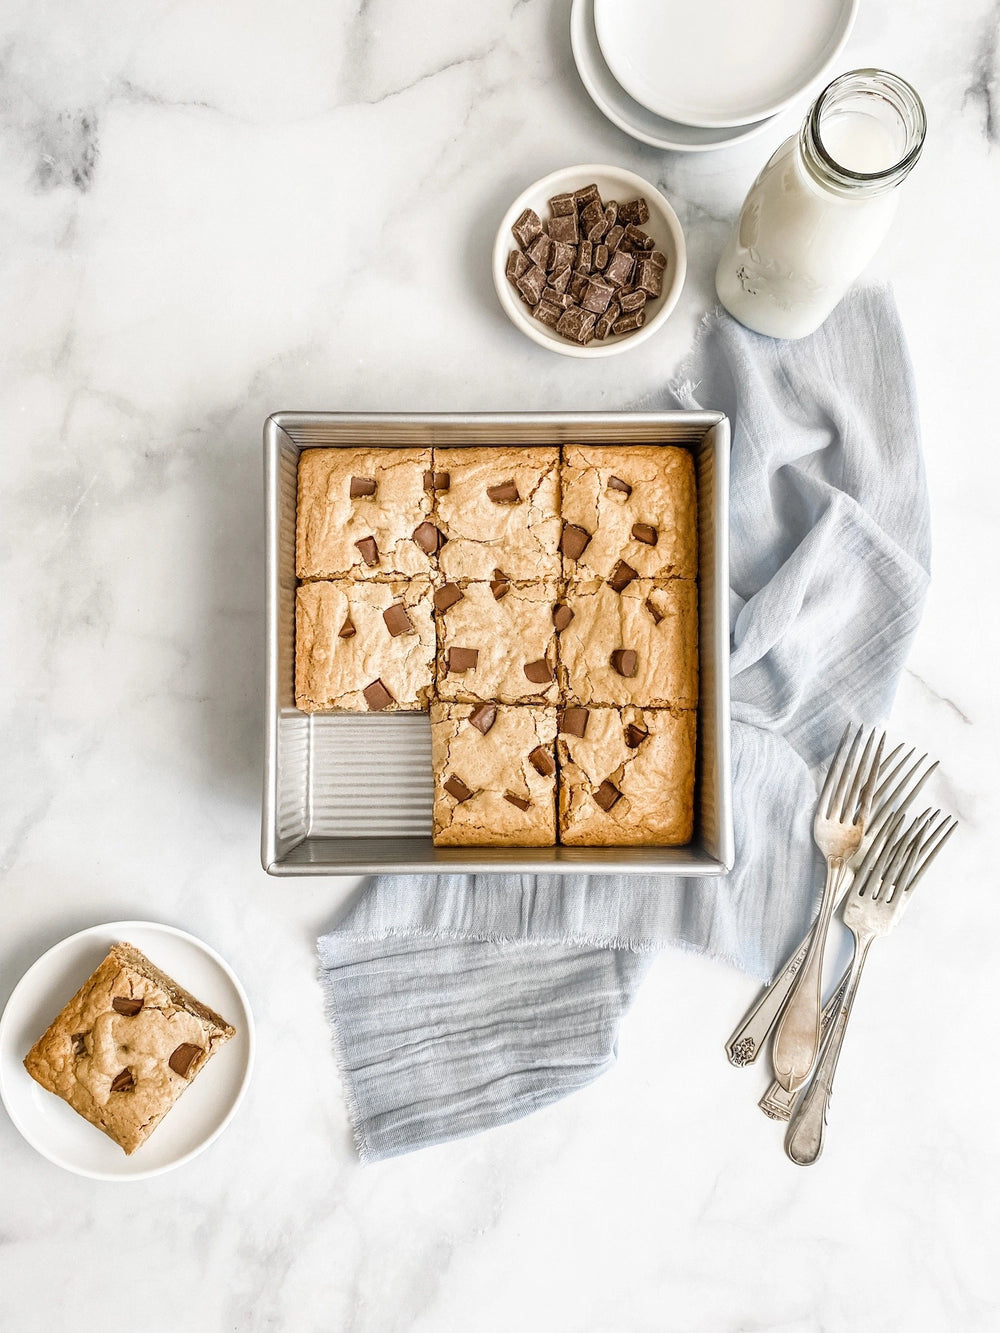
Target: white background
<point x="209" y="211"/>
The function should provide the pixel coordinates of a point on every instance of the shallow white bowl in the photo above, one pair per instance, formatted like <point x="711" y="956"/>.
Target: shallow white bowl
<point x="613" y="183"/>
<point x="714" y="63"/>
<point x="51" y="1126"/>
<point x="613" y="101"/>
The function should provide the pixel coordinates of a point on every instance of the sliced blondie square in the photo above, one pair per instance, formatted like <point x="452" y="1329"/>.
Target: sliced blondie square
<point x="626" y="776"/>
<point x="363" y="646"/>
<point x="494" y="774"/>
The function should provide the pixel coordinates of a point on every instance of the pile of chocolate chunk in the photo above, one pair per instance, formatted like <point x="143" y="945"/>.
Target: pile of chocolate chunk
<point x="589" y="270"/>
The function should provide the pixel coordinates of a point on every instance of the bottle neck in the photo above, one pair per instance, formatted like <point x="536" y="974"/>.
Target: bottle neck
<point x="863" y="134"/>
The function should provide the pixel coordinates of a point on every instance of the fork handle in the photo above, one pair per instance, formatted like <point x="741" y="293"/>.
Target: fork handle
<point x="776" y="1102"/>
<point x="747" y="1042"/>
<point x="796" y="1041"/>
<point x="804" y="1138"/>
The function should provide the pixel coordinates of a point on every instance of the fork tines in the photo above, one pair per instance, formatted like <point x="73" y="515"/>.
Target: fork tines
<point x="849" y="789"/>
<point x="898" y="792"/>
<point x="897" y="859"/>
<point x="900" y="779"/>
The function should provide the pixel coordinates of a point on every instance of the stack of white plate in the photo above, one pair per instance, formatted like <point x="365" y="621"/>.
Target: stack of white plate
<point x="693" y="75"/>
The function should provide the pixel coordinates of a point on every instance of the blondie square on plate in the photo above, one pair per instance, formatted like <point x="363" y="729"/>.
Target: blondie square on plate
<point x="364" y="647"/>
<point x="494" y="774"/>
<point x="364" y="513"/>
<point x="126" y="1046"/>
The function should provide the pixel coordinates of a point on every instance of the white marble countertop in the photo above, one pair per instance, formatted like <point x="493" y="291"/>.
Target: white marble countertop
<point x="211" y="211"/>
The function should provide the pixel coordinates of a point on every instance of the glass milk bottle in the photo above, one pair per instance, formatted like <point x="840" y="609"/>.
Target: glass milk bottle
<point x="821" y="207"/>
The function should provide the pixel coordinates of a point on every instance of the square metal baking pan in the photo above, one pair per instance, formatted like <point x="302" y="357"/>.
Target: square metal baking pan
<point x="351" y="794"/>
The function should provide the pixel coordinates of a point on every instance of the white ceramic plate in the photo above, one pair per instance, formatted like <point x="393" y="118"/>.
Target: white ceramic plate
<point x="613" y="183"/>
<point x="720" y="62"/>
<point x="610" y="97"/>
<point x="197" y="1119"/>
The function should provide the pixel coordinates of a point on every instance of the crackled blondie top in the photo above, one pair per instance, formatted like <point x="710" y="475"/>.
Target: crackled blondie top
<point x="626" y="776"/>
<point x="500" y="511"/>
<point x="495" y="774"/>
<point x="496" y="643"/>
<point x="633" y="645"/>
<point x="364" y="513"/>
<point x="364" y="646"/>
<point x="126" y="1046"/>
<point x="636" y="503"/>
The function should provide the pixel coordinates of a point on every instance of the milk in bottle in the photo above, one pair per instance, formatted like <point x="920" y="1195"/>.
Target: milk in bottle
<point x="822" y="205"/>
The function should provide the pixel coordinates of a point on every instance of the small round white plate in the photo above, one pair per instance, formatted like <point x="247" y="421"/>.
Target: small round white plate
<point x="610" y="97"/>
<point x="613" y="183"/>
<point x="198" y="1118"/>
<point x="720" y="62"/>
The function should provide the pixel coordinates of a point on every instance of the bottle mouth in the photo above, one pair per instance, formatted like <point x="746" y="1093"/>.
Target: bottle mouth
<point x="901" y="122"/>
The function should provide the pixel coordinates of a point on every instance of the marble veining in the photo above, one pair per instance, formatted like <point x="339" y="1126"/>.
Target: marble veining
<point x="212" y="211"/>
<point x="68" y="152"/>
<point x="982" y="90"/>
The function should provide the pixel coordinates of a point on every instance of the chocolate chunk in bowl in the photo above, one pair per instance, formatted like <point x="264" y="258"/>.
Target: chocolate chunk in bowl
<point x="607" y="248"/>
<point x="527" y="227"/>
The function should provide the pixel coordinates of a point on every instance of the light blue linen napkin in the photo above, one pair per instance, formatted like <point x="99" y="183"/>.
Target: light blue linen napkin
<point x="459" y="1002"/>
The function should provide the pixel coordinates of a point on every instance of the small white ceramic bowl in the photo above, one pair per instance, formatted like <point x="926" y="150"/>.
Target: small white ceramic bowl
<point x="613" y="183"/>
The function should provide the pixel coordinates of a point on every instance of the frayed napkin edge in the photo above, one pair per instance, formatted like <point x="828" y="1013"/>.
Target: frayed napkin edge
<point x="623" y="944"/>
<point x="354" y="1115"/>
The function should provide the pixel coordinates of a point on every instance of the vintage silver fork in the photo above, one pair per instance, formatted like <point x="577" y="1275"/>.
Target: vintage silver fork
<point x="776" y="1102"/>
<point x="891" y="869"/>
<point x="903" y="780"/>
<point x="839" y="826"/>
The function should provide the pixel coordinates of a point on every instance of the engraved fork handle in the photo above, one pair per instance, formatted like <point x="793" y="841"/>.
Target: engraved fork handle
<point x="804" y="1138"/>
<point x="776" y="1102"/>
<point x="796" y="1041"/>
<point x="747" y="1042"/>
